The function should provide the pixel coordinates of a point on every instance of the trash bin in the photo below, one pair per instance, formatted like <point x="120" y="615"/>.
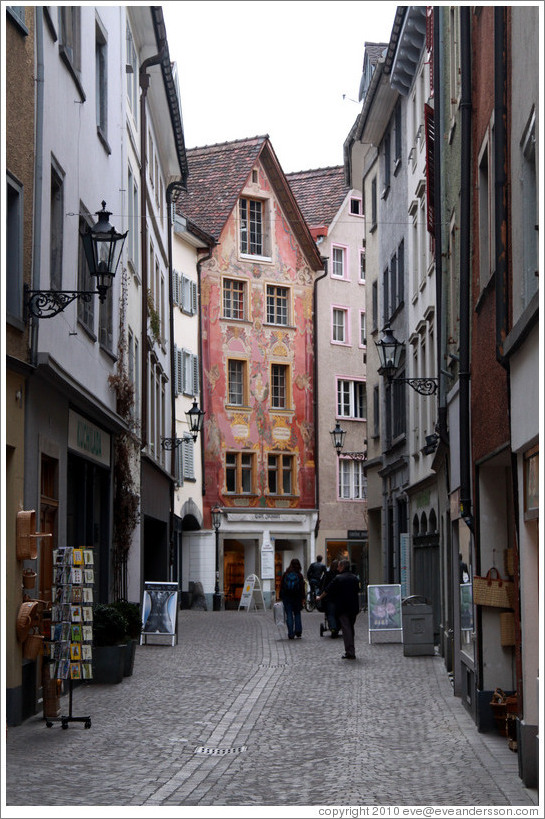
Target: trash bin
<point x="417" y="621"/>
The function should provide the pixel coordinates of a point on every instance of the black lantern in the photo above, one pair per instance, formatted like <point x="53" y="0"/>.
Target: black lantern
<point x="337" y="436"/>
<point x="195" y="417"/>
<point x="216" y="514"/>
<point x="389" y="352"/>
<point x="102" y="245"/>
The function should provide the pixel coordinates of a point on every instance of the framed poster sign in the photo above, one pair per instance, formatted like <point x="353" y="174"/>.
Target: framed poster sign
<point x="466" y="606"/>
<point x="384" y="604"/>
<point x="160" y="611"/>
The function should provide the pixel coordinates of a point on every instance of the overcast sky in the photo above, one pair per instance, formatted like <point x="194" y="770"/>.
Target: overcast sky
<point x="276" y="67"/>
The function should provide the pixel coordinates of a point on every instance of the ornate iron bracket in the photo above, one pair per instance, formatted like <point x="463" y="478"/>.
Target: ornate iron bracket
<point x="48" y="303"/>
<point x="424" y="386"/>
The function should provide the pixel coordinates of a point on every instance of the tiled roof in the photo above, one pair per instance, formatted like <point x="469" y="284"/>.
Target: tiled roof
<point x="319" y="193"/>
<point x="217" y="174"/>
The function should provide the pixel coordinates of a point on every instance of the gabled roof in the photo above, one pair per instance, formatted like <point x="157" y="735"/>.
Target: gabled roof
<point x="218" y="174"/>
<point x="319" y="193"/>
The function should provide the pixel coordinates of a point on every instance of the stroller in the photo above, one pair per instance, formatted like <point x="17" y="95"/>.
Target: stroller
<point x="321" y="606"/>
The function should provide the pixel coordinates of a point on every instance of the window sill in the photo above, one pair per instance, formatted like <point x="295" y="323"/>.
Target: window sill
<point x="238" y="408"/>
<point x="71" y="70"/>
<point x="89" y="332"/>
<point x="251" y="257"/>
<point x="397" y="166"/>
<point x="102" y="137"/>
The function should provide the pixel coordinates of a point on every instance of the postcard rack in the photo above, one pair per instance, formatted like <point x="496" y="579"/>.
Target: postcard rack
<point x="70" y="645"/>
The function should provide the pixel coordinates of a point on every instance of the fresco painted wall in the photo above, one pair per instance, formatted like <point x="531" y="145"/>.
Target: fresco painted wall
<point x="255" y="428"/>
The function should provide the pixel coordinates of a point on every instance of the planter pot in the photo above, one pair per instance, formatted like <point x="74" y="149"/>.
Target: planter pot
<point x="130" y="651"/>
<point x="109" y="664"/>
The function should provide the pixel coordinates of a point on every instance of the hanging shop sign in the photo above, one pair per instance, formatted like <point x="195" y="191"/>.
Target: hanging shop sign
<point x="87" y="439"/>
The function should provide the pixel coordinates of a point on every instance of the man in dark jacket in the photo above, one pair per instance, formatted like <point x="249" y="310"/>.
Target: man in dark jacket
<point x="315" y="572"/>
<point x="344" y="592"/>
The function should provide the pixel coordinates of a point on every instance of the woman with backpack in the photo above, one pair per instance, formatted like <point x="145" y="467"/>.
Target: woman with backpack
<point x="292" y="594"/>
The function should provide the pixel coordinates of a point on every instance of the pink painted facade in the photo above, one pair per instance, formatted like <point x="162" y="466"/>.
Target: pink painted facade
<point x="257" y="342"/>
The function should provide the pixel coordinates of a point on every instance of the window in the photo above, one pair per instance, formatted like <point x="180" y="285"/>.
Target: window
<point x="239" y="473"/>
<point x="355" y="207"/>
<point x="339" y="325"/>
<point x="134" y="369"/>
<point x="387" y="163"/>
<point x="234" y="299"/>
<point x="251" y="227"/>
<point x="237" y="380"/>
<point x="338" y="269"/>
<point x="351" y="399"/>
<point x="157" y="410"/>
<point x="105" y="322"/>
<point x="374" y="203"/>
<point x="398" y="408"/>
<point x="454" y="59"/>
<point x="132" y="76"/>
<point x="14" y="250"/>
<point x="86" y="309"/>
<point x="277" y="304"/>
<point x="397" y="138"/>
<point x="529" y="211"/>
<point x="184" y="293"/>
<point x="374" y="305"/>
<point x="70" y="40"/>
<point x="362" y="266"/>
<point x="56" y="230"/>
<point x="393" y="284"/>
<point x="280" y="472"/>
<point x="101" y="82"/>
<point x="133" y="243"/>
<point x="351" y="480"/>
<point x="363" y="329"/>
<point x="279" y="386"/>
<point x="386" y="296"/>
<point x="185" y="460"/>
<point x="376" y="412"/>
<point x="486" y="211"/>
<point x="186" y="372"/>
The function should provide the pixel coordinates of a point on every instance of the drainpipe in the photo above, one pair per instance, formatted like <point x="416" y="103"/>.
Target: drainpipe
<point x="144" y="85"/>
<point x="200" y="263"/>
<point x="500" y="193"/>
<point x="465" y="280"/>
<point x="38" y="176"/>
<point x="440" y="292"/>
<point x="315" y="400"/>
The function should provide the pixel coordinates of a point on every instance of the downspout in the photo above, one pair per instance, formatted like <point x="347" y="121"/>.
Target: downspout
<point x="38" y="176"/>
<point x="170" y="188"/>
<point x="465" y="279"/>
<point x="315" y="399"/>
<point x="144" y="85"/>
<point x="500" y="171"/>
<point x="440" y="292"/>
<point x="200" y="263"/>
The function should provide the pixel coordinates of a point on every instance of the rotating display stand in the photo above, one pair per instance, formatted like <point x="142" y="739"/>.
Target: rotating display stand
<point x="70" y="646"/>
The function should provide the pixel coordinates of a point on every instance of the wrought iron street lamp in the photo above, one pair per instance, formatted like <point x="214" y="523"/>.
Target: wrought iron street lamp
<point x="216" y="523"/>
<point x="337" y="438"/>
<point x="102" y="246"/>
<point x="195" y="418"/>
<point x="389" y="352"/>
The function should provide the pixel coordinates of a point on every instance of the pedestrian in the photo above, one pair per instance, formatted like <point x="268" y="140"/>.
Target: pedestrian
<point x="328" y="576"/>
<point x="315" y="573"/>
<point x="292" y="594"/>
<point x="344" y="592"/>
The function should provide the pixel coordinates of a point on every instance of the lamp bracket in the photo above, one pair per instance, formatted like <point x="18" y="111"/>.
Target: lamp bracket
<point x="48" y="303"/>
<point x="173" y="443"/>
<point x="424" y="386"/>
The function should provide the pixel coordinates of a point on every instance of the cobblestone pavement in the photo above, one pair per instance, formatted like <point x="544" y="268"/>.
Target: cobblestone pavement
<point x="237" y="715"/>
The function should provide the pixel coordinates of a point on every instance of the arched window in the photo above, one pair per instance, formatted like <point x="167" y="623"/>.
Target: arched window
<point x="423" y="523"/>
<point x="416" y="526"/>
<point x="433" y="521"/>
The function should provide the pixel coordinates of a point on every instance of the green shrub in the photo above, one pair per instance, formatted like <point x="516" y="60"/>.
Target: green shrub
<point x="131" y="612"/>
<point x="109" y="625"/>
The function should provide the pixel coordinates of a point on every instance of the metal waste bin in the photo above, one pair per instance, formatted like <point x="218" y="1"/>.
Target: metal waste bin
<point x="417" y="621"/>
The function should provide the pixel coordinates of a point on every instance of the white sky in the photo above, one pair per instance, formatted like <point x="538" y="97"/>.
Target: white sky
<point x="277" y="67"/>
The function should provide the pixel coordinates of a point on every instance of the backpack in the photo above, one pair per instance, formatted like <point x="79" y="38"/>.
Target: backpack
<point x="291" y="582"/>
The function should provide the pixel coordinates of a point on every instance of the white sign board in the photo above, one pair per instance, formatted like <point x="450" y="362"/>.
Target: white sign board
<point x="251" y="593"/>
<point x="267" y="561"/>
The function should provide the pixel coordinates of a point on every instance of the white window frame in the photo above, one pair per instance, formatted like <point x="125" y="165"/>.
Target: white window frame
<point x="351" y="484"/>
<point x="340" y="331"/>
<point x="339" y="262"/>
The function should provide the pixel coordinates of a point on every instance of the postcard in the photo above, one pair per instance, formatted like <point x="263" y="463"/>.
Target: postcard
<point x="88" y="557"/>
<point x="87" y="633"/>
<point x="75" y="651"/>
<point x="77" y="557"/>
<point x="88" y="614"/>
<point x="87" y="669"/>
<point x="75" y="671"/>
<point x="75" y="614"/>
<point x="87" y="595"/>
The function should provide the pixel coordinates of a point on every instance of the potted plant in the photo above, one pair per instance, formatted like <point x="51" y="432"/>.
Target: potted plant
<point x="131" y="613"/>
<point x="109" y="644"/>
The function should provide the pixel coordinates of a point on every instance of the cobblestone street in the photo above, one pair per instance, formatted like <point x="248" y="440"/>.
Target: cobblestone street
<point x="237" y="715"/>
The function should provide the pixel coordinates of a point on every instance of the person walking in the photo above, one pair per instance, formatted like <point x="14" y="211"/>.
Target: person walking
<point x="343" y="591"/>
<point x="328" y="576"/>
<point x="292" y="594"/>
<point x="315" y="573"/>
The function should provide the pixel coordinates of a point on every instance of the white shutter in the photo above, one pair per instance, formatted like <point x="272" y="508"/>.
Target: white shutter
<point x="189" y="460"/>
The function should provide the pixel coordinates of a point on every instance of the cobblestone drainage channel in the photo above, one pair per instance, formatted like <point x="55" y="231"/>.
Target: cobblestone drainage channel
<point x="202" y="749"/>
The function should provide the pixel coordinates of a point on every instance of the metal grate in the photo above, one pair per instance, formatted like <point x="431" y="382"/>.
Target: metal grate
<point x="202" y="749"/>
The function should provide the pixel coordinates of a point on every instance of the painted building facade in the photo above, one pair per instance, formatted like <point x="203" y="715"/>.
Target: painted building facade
<point x="258" y="362"/>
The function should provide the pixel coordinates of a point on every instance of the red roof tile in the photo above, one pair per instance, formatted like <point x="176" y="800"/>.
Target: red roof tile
<point x="319" y="193"/>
